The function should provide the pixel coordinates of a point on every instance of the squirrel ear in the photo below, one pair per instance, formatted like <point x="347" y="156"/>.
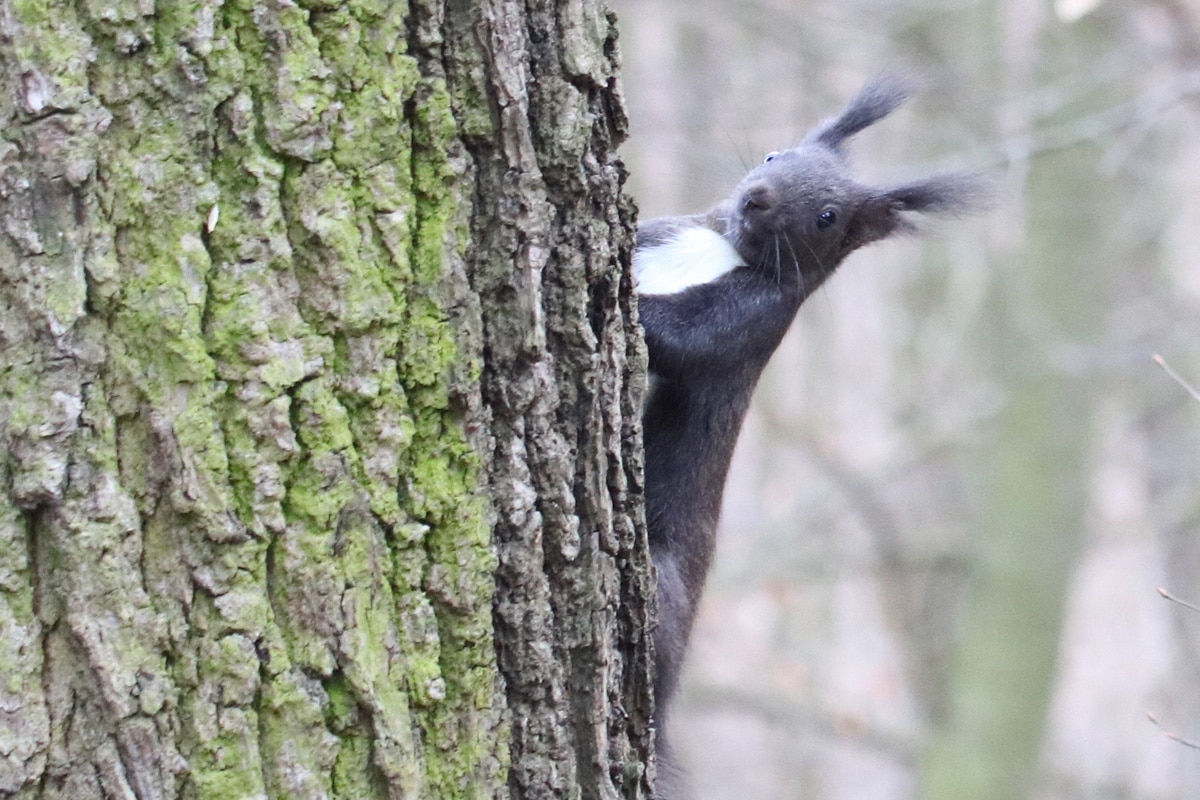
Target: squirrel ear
<point x="878" y="218"/>
<point x="873" y="102"/>
<point x="954" y="193"/>
<point x="884" y="213"/>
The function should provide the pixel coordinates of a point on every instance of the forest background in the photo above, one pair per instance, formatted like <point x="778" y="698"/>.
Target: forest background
<point x="964" y="478"/>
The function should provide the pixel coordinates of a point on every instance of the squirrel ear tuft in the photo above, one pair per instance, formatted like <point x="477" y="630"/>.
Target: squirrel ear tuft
<point x="876" y="100"/>
<point x="955" y="193"/>
<point x="884" y="213"/>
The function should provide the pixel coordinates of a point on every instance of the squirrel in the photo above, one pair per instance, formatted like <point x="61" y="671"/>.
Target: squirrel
<point x="716" y="293"/>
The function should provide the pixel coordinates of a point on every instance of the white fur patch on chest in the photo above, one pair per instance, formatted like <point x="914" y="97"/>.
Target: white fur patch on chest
<point x="691" y="257"/>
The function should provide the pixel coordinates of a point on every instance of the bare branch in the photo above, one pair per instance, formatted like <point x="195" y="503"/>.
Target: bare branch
<point x="1175" y="737"/>
<point x="1178" y="378"/>
<point x="1168" y="596"/>
<point x="1141" y="111"/>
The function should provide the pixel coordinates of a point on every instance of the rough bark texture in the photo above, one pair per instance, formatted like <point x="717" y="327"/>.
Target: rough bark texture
<point x="315" y="398"/>
<point x="561" y="359"/>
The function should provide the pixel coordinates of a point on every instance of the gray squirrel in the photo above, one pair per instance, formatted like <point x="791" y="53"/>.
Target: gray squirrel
<point x="716" y="293"/>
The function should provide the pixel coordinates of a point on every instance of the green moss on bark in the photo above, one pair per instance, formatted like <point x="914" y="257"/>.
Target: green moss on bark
<point x="270" y="207"/>
<point x="255" y="521"/>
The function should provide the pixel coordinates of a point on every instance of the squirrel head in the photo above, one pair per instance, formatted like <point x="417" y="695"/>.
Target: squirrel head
<point x="797" y="215"/>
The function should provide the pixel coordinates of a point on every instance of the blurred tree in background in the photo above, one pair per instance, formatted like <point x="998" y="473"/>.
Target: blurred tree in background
<point x="963" y="477"/>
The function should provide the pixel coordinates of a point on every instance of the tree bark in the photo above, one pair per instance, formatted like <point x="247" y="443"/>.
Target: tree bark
<point x="320" y="470"/>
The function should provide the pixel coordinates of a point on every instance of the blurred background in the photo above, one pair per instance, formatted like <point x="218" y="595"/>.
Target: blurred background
<point x="964" y="478"/>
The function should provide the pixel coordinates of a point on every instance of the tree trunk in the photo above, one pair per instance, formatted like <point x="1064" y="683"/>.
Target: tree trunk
<point x="320" y="470"/>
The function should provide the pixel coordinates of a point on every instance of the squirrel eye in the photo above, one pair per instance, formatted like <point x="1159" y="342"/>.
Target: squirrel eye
<point x="825" y="219"/>
<point x="771" y="156"/>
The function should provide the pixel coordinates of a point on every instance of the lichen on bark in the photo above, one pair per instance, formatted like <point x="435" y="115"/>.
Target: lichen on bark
<point x="253" y="347"/>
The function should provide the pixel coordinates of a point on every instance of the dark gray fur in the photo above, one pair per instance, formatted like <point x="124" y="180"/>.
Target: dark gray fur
<point x="709" y="343"/>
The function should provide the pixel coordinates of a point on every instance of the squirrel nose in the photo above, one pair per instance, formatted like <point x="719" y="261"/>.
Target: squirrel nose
<point x="757" y="198"/>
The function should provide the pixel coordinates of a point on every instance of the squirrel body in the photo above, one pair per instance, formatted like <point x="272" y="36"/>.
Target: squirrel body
<point x="717" y="292"/>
